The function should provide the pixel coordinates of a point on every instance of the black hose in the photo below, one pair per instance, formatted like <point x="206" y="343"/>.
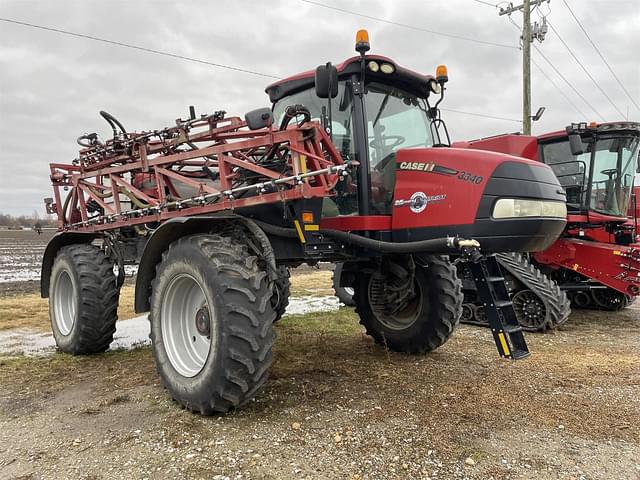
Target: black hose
<point x="111" y="120"/>
<point x="275" y="230"/>
<point x="293" y="111"/>
<point x="435" y="245"/>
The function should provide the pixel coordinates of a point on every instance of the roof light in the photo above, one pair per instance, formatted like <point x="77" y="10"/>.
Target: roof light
<point x="387" y="68"/>
<point x="362" y="41"/>
<point x="434" y="86"/>
<point x="442" y="76"/>
<point x="373" y="66"/>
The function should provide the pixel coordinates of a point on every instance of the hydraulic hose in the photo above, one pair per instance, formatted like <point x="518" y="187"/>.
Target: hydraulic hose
<point x="435" y="245"/>
<point x="276" y="230"/>
<point x="113" y="121"/>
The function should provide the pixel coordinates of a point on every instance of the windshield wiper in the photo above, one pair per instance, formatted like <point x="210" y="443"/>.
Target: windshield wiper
<point x="385" y="100"/>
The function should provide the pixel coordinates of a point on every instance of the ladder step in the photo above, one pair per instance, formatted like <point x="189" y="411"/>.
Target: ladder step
<point x="512" y="329"/>
<point x="493" y="293"/>
<point x="519" y="354"/>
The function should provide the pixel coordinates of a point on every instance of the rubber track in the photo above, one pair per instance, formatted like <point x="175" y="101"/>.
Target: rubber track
<point x="555" y="300"/>
<point x="247" y="323"/>
<point x="99" y="294"/>
<point x="447" y="313"/>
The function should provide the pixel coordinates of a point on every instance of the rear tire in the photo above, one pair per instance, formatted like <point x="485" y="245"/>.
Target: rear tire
<point x="344" y="294"/>
<point x="433" y="318"/>
<point x="83" y="299"/>
<point x="211" y="323"/>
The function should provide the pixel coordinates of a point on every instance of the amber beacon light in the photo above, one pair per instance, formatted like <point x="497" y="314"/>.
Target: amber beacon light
<point x="442" y="76"/>
<point x="362" y="41"/>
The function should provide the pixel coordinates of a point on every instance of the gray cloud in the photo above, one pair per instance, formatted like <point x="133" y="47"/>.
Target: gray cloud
<point x="52" y="86"/>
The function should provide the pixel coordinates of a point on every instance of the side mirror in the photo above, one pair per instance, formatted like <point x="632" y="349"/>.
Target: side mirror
<point x="259" y="118"/>
<point x="575" y="144"/>
<point x="326" y="81"/>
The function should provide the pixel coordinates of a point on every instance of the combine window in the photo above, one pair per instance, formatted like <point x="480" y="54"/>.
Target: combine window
<point x="601" y="178"/>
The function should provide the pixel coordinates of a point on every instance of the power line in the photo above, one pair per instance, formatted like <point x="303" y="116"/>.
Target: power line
<point x="136" y="47"/>
<point x="411" y="27"/>
<point x="582" y="115"/>
<point x="568" y="83"/>
<point x="585" y="69"/>
<point x="183" y="57"/>
<point x="481" y="115"/>
<point x="601" y="55"/>
<point x="516" y="26"/>
<point x="486" y="3"/>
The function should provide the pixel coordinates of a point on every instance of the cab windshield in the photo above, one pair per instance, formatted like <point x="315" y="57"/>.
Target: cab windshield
<point x="601" y="178"/>
<point x="395" y="119"/>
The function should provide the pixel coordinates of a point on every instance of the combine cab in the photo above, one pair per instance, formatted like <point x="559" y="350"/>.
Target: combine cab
<point x="597" y="259"/>
<point x="351" y="164"/>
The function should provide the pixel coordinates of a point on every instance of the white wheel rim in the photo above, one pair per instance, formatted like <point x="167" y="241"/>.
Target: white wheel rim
<point x="186" y="345"/>
<point x="349" y="291"/>
<point x="65" y="300"/>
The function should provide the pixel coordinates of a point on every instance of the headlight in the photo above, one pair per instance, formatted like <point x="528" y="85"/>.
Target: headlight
<point x="373" y="66"/>
<point x="518" y="208"/>
<point x="387" y="68"/>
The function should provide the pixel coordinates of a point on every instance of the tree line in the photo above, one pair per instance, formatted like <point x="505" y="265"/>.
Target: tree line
<point x="29" y="221"/>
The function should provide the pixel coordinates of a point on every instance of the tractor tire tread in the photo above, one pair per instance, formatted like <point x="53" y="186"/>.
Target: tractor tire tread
<point x="444" y="318"/>
<point x="98" y="299"/>
<point x="246" y="345"/>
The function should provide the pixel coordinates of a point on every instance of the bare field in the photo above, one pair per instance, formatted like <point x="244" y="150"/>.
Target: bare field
<point x="338" y="406"/>
<point x="335" y="406"/>
<point x="20" y="255"/>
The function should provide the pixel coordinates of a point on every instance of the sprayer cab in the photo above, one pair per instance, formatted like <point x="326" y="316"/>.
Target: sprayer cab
<point x="409" y="184"/>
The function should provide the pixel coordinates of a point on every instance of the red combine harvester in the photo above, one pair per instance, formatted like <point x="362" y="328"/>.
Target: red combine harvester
<point x="351" y="164"/>
<point x="597" y="258"/>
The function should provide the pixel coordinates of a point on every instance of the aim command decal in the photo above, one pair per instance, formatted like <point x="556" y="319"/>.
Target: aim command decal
<point x="433" y="168"/>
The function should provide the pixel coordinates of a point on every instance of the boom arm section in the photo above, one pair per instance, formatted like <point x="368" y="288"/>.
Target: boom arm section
<point x="202" y="165"/>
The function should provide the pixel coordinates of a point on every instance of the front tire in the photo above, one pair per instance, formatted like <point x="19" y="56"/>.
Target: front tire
<point x="211" y="323"/>
<point x="429" y="317"/>
<point x="83" y="300"/>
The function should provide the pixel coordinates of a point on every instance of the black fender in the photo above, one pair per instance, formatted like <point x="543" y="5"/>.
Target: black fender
<point x="178" y="227"/>
<point x="58" y="241"/>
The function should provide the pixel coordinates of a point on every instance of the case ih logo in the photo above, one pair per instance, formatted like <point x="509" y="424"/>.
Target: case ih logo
<point x="417" y="166"/>
<point x="427" y="167"/>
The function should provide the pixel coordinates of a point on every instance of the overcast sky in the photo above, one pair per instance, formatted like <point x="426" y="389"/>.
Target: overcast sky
<point x="52" y="86"/>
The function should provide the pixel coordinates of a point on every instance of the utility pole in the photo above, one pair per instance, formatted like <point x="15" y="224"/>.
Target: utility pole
<point x="526" y="68"/>
<point x="527" y="40"/>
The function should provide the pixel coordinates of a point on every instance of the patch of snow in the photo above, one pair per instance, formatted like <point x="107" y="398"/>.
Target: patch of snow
<point x="310" y="304"/>
<point x="134" y="333"/>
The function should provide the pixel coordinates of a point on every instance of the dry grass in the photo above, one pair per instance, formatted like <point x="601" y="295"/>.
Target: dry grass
<point x="312" y="283"/>
<point x="31" y="311"/>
